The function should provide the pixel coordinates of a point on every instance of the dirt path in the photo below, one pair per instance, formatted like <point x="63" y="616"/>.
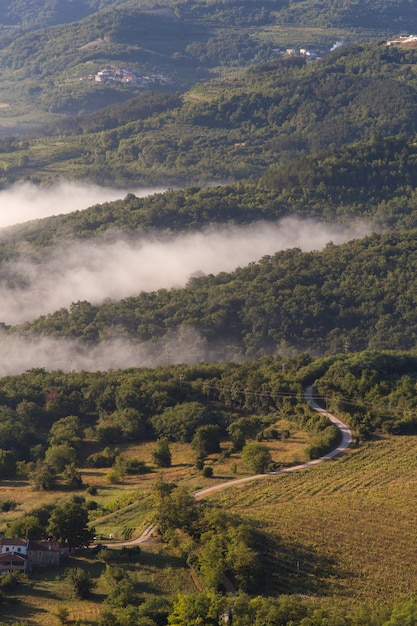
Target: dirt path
<point x="202" y="493"/>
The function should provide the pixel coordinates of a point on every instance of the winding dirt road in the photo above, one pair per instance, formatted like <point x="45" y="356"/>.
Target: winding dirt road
<point x="202" y="493"/>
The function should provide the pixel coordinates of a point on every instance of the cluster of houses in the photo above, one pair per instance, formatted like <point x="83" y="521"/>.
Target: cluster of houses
<point x="302" y="52"/>
<point x="403" y="40"/>
<point x="27" y="555"/>
<point x="121" y="75"/>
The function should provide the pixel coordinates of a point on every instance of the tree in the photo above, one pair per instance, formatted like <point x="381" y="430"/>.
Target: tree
<point x="69" y="523"/>
<point x="58" y="456"/>
<point x="161" y="456"/>
<point x="175" y="508"/>
<point x="79" y="582"/>
<point x="127" y="423"/>
<point x="206" y="440"/>
<point x="73" y="476"/>
<point x="27" y="527"/>
<point x="42" y="476"/>
<point x="7" y="464"/>
<point x="179" y="423"/>
<point x="256" y="457"/>
<point x="404" y="613"/>
<point x="154" y="608"/>
<point x="122" y="594"/>
<point x="242" y="429"/>
<point x="200" y="609"/>
<point x="227" y="546"/>
<point x="211" y="559"/>
<point x="66" y="430"/>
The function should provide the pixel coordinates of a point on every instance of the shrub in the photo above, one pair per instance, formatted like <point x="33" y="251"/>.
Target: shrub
<point x="208" y="471"/>
<point x="7" y="505"/>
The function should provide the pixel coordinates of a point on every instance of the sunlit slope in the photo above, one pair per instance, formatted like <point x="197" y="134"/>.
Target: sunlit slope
<point x="49" y="49"/>
<point x="345" y="528"/>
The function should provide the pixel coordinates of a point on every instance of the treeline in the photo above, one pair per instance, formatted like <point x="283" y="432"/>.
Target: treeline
<point x="373" y="14"/>
<point x="378" y="14"/>
<point x="210" y="609"/>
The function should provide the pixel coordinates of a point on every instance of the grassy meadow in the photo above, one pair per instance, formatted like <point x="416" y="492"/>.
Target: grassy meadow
<point x="127" y="503"/>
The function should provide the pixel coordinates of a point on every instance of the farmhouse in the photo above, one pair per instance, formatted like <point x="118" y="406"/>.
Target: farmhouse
<point x="26" y="555"/>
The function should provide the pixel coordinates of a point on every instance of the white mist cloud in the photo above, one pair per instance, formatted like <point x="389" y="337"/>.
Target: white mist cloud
<point x="95" y="271"/>
<point x="24" y="201"/>
<point x="116" y="267"/>
<point x="337" y="45"/>
<point x="186" y="345"/>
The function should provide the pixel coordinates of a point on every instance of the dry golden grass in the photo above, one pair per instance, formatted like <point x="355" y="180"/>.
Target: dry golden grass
<point x="135" y="515"/>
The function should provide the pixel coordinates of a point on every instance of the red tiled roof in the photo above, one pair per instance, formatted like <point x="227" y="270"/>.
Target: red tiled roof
<point x="5" y="541"/>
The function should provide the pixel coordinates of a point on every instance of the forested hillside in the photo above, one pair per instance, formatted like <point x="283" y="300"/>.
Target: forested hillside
<point x="30" y="15"/>
<point x="371" y="14"/>
<point x="251" y="143"/>
<point x="51" y="51"/>
<point x="361" y="293"/>
<point x="232" y="129"/>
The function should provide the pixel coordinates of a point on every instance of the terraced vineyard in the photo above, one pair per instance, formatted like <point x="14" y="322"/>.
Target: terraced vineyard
<point x="345" y="528"/>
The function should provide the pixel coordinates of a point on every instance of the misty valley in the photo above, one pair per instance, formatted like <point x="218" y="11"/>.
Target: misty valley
<point x="117" y="265"/>
<point x="208" y="327"/>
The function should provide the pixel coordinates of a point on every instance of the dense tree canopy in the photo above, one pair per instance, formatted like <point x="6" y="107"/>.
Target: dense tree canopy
<point x="69" y="524"/>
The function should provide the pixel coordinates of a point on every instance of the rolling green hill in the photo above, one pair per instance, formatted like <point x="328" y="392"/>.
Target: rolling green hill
<point x="49" y="49"/>
<point x="227" y="129"/>
<point x="361" y="292"/>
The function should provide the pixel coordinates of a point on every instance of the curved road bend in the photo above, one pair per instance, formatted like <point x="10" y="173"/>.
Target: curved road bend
<point x="202" y="493"/>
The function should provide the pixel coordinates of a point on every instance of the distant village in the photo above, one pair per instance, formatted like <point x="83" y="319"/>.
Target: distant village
<point x="310" y="55"/>
<point x="404" y="40"/>
<point x="302" y="52"/>
<point x="129" y="76"/>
